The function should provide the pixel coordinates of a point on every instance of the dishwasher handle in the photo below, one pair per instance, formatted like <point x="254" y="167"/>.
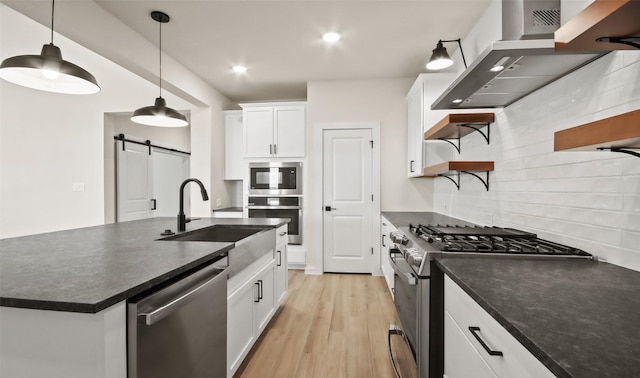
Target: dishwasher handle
<point x="166" y="309"/>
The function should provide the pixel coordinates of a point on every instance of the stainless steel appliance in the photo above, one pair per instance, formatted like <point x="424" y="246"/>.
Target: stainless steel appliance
<point x="521" y="62"/>
<point x="419" y="287"/>
<point x="275" y="178"/>
<point x="279" y="207"/>
<point x="180" y="330"/>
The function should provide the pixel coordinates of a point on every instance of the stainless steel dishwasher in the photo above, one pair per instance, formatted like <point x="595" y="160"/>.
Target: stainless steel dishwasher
<point x="180" y="330"/>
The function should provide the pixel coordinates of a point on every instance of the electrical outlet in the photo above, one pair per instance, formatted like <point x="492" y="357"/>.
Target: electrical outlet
<point x="218" y="202"/>
<point x="77" y="187"/>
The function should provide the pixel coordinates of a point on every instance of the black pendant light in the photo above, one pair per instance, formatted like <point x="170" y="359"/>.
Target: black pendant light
<point x="48" y="71"/>
<point x="159" y="114"/>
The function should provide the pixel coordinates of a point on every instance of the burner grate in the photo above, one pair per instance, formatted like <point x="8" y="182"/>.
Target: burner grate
<point x="491" y="240"/>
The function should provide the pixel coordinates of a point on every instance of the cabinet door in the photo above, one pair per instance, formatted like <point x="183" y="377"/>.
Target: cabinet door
<point x="241" y="329"/>
<point x="258" y="131"/>
<point x="265" y="307"/>
<point x="385" y="265"/>
<point x="290" y="123"/>
<point x="234" y="166"/>
<point x="282" y="273"/>
<point x="415" y="134"/>
<point x="461" y="359"/>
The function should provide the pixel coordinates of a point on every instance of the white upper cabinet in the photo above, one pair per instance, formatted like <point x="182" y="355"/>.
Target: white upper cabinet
<point x="274" y="130"/>
<point x="426" y="89"/>
<point x="234" y="166"/>
<point x="415" y="122"/>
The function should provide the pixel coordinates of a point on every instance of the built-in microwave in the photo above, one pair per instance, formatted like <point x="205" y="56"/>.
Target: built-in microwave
<point x="275" y="178"/>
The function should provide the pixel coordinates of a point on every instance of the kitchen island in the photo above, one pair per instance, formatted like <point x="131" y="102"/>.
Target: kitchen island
<point x="63" y="294"/>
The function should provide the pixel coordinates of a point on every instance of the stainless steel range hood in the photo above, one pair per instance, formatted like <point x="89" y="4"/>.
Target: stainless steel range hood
<point x="529" y="64"/>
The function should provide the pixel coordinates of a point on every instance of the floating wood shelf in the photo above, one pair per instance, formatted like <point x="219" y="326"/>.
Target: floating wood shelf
<point x="454" y="168"/>
<point x="618" y="132"/>
<point x="602" y="18"/>
<point x="455" y="126"/>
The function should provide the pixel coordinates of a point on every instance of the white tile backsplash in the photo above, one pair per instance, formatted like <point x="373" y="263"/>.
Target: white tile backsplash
<point x="590" y="200"/>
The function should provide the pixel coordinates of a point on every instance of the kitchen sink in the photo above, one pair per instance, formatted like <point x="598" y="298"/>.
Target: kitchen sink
<point x="251" y="243"/>
<point x="218" y="233"/>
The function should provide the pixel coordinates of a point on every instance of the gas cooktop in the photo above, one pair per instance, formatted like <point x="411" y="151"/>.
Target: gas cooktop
<point x="419" y="243"/>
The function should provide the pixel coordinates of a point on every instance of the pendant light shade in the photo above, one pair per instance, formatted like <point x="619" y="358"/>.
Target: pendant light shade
<point x="159" y="114"/>
<point x="48" y="71"/>
<point x="440" y="59"/>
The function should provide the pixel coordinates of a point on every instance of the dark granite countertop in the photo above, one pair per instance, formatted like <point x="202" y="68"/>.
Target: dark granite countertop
<point x="89" y="269"/>
<point x="579" y="318"/>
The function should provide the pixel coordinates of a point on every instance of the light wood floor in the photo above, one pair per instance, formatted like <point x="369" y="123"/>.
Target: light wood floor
<point x="334" y="325"/>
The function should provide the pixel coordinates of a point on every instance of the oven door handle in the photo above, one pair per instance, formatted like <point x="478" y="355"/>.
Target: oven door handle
<point x="274" y="207"/>
<point x="408" y="277"/>
<point x="395" y="330"/>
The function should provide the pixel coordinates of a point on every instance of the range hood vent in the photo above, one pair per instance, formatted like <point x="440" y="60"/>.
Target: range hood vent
<point x="527" y="53"/>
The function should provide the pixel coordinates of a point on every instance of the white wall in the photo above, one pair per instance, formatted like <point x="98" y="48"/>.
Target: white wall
<point x="361" y="101"/>
<point x="49" y="141"/>
<point x="590" y="200"/>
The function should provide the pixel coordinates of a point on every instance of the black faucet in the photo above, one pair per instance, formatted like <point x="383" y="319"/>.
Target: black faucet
<point x="182" y="219"/>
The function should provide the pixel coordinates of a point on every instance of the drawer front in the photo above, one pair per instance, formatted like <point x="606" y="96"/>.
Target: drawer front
<point x="516" y="360"/>
<point x="282" y="235"/>
<point x="461" y="357"/>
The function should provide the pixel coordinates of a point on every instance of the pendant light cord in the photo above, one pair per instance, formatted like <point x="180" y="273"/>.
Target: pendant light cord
<point x="160" y="53"/>
<point x="53" y="7"/>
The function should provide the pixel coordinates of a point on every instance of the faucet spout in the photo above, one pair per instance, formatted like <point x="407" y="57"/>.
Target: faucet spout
<point x="182" y="219"/>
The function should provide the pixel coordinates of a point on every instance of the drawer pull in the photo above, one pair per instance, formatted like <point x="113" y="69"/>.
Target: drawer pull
<point x="474" y="331"/>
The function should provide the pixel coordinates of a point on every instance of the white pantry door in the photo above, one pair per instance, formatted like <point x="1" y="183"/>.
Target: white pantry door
<point x="347" y="200"/>
<point x="134" y="188"/>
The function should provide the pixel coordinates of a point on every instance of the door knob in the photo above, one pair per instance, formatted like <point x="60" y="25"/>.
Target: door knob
<point x="329" y="208"/>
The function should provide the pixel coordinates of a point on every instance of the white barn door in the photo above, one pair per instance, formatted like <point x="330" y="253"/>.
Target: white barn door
<point x="147" y="185"/>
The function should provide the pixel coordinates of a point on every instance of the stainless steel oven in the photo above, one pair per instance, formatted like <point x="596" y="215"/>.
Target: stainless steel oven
<point x="279" y="207"/>
<point x="275" y="178"/>
<point x="411" y="300"/>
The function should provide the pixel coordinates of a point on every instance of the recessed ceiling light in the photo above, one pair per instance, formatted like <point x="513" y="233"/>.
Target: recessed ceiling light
<point x="239" y="69"/>
<point x="331" y="37"/>
<point x="496" y="68"/>
<point x="457" y="101"/>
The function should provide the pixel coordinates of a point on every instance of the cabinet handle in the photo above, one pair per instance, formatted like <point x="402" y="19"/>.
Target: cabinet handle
<point x="283" y="233"/>
<point x="259" y="290"/>
<point x="270" y="149"/>
<point x="258" y="299"/>
<point x="474" y="331"/>
<point x="383" y="235"/>
<point x="279" y="258"/>
<point x="411" y="165"/>
<point x="154" y="204"/>
<point x="275" y="149"/>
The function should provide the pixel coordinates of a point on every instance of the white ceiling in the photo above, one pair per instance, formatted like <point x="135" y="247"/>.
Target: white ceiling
<point x="280" y="41"/>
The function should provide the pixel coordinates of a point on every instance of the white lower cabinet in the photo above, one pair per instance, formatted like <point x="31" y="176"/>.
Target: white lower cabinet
<point x="282" y="260"/>
<point x="386" y="228"/>
<point x="254" y="295"/>
<point x="465" y="356"/>
<point x="249" y="310"/>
